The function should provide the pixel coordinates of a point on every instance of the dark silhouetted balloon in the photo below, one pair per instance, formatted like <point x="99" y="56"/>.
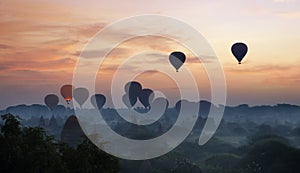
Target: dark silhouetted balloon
<point x="98" y="101"/>
<point x="177" y="59"/>
<point x="239" y="50"/>
<point x="125" y="99"/>
<point x="133" y="89"/>
<point x="204" y="108"/>
<point x="178" y="105"/>
<point x="51" y="101"/>
<point x="81" y="95"/>
<point x="146" y="96"/>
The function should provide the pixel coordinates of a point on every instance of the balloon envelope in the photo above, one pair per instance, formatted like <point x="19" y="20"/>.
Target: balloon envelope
<point x="146" y="96"/>
<point x="178" y="105"/>
<point x="66" y="92"/>
<point x="132" y="90"/>
<point x="51" y="100"/>
<point x="81" y="95"/>
<point x="239" y="50"/>
<point x="177" y="59"/>
<point x="98" y="101"/>
<point x="126" y="101"/>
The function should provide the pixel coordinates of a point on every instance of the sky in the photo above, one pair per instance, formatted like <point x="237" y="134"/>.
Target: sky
<point x="40" y="43"/>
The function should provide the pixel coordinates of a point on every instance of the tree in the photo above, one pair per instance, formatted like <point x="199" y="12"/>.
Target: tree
<point x="271" y="156"/>
<point x="88" y="158"/>
<point x="11" y="125"/>
<point x="32" y="150"/>
<point x="185" y="165"/>
<point x="26" y="150"/>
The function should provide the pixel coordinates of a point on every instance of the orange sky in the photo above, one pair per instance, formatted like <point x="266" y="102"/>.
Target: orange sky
<point x="40" y="42"/>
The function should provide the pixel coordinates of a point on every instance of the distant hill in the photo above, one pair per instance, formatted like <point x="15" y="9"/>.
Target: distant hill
<point x="276" y="114"/>
<point x="36" y="110"/>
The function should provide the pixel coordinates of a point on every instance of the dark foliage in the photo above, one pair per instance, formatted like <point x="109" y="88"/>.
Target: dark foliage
<point x="32" y="150"/>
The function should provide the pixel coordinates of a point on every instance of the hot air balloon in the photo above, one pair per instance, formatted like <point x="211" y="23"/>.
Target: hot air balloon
<point x="51" y="100"/>
<point x="146" y="96"/>
<point x="239" y="50"/>
<point x="126" y="101"/>
<point x="98" y="101"/>
<point x="177" y="59"/>
<point x="178" y="105"/>
<point x="181" y="103"/>
<point x="66" y="92"/>
<point x="81" y="95"/>
<point x="132" y="90"/>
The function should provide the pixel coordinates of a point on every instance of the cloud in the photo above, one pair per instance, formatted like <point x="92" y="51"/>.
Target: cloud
<point x="280" y="8"/>
<point x="18" y="66"/>
<point x="259" y="69"/>
<point x="97" y="53"/>
<point x="61" y="42"/>
<point x="29" y="77"/>
<point x="151" y="57"/>
<point x="284" y="1"/>
<point x="89" y="53"/>
<point x="87" y="30"/>
<point x="265" y="76"/>
<point x="4" y="46"/>
<point x="290" y="14"/>
<point x="289" y="81"/>
<point x="204" y="59"/>
<point x="3" y="67"/>
<point x="151" y="72"/>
